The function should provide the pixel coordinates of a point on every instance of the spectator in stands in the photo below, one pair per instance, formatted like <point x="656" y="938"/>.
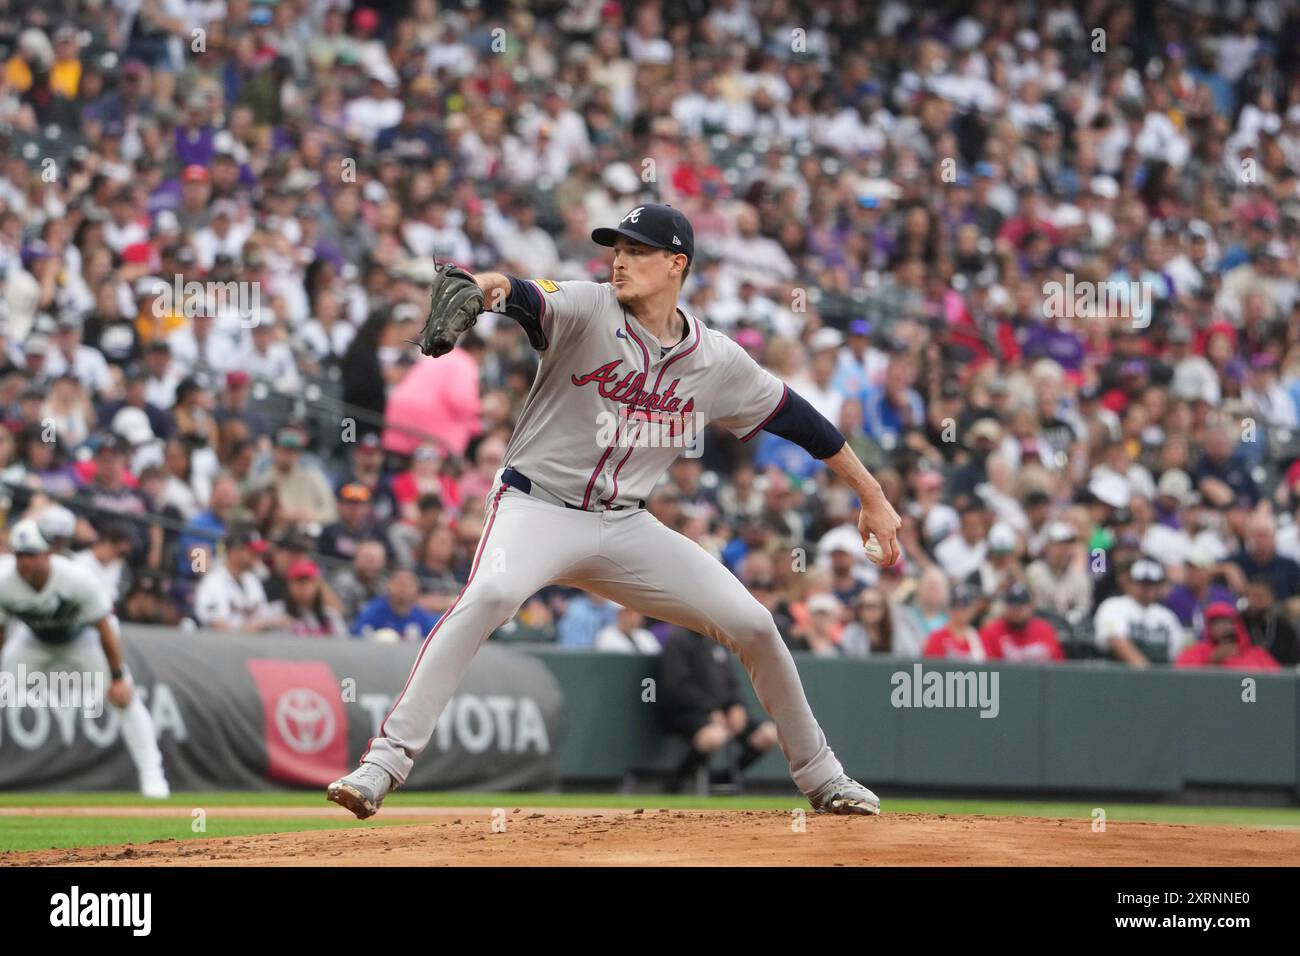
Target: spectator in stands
<point x="407" y="538"/>
<point x="268" y="358"/>
<point x="236" y="405"/>
<point x="872" y="629"/>
<point x="759" y="574"/>
<point x="183" y="489"/>
<point x="68" y="408"/>
<point x="1268" y="624"/>
<point x="42" y="464"/>
<point x="1059" y="581"/>
<point x="961" y="553"/>
<point x="1226" y="644"/>
<point x="1134" y="627"/>
<point x="845" y="580"/>
<point x="106" y="560"/>
<point x="439" y="583"/>
<point x="1017" y="635"/>
<point x="1259" y="559"/>
<point x="820" y="633"/>
<point x="1126" y="549"/>
<point x="395" y="616"/>
<point x="356" y="524"/>
<point x="1001" y="567"/>
<point x="368" y="471"/>
<point x="230" y="595"/>
<point x="192" y="412"/>
<point x="958" y="639"/>
<point x="284" y="552"/>
<point x="109" y="492"/>
<point x="304" y="610"/>
<point x="584" y="616"/>
<point x="363" y="581"/>
<point x="699" y="699"/>
<point x="163" y="375"/>
<point x="1219" y="476"/>
<point x="437" y="400"/>
<point x="983" y="436"/>
<point x="363" y="373"/>
<point x="206" y="529"/>
<point x="627" y="635"/>
<point x="70" y="356"/>
<point x="147" y="603"/>
<point x="424" y="477"/>
<point x="924" y="613"/>
<point x="477" y="481"/>
<point x="133" y="397"/>
<point x="302" y="492"/>
<point x="1198" y="590"/>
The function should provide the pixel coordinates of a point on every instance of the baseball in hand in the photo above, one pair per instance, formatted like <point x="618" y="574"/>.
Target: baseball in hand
<point x="875" y="553"/>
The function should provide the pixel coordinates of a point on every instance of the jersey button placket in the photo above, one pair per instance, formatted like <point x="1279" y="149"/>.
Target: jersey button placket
<point x="607" y="483"/>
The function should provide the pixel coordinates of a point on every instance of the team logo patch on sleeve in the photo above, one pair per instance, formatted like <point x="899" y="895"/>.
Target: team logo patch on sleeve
<point x="547" y="285"/>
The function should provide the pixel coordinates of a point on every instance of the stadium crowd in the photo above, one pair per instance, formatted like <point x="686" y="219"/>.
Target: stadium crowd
<point x="886" y="198"/>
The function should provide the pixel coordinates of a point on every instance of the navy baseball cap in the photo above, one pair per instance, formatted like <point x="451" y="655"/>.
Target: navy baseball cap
<point x="655" y="225"/>
<point x="1018" y="594"/>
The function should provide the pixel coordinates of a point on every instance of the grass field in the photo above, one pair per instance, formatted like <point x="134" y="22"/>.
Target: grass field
<point x="22" y="832"/>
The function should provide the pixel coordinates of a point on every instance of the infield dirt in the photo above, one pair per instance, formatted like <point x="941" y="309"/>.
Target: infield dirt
<point x="476" y="836"/>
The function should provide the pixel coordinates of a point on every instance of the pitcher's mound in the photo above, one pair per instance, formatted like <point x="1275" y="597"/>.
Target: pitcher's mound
<point x="568" y="837"/>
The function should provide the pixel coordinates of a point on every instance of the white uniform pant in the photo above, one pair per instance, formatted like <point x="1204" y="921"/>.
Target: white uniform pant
<point x="629" y="557"/>
<point x="85" y="655"/>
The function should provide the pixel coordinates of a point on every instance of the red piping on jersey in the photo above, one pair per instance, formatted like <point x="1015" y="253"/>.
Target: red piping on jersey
<point x="644" y="351"/>
<point x="591" y="482"/>
<point x="586" y="498"/>
<point x="680" y="355"/>
<point x="631" y="448"/>
<point x="473" y="568"/>
<point x="785" y="393"/>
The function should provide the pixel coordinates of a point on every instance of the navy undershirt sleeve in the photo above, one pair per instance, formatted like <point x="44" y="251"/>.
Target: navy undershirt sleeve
<point x="524" y="305"/>
<point x="799" y="422"/>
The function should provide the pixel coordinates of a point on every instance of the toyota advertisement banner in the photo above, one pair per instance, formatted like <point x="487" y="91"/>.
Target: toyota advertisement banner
<point x="258" y="712"/>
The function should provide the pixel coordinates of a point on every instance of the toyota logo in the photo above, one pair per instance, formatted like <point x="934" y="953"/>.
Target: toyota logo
<point x="305" y="720"/>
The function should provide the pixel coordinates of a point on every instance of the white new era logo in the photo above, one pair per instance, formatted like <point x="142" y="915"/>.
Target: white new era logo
<point x="676" y="241"/>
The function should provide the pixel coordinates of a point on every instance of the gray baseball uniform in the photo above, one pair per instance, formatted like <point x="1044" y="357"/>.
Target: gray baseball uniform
<point x="606" y="401"/>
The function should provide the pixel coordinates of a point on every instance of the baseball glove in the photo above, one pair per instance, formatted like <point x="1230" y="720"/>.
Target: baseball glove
<point x="455" y="303"/>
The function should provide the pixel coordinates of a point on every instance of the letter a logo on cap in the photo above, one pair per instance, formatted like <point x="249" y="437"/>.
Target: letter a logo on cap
<point x="633" y="216"/>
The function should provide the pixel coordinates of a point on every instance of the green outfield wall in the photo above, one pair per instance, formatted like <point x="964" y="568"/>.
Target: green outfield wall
<point x="1066" y="727"/>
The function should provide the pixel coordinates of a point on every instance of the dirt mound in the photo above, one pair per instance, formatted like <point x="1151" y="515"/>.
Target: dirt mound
<point x="567" y="837"/>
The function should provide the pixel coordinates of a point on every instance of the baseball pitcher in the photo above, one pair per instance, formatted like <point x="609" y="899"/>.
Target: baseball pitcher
<point x="626" y="378"/>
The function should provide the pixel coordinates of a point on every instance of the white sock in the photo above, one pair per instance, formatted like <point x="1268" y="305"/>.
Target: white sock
<point x="137" y="731"/>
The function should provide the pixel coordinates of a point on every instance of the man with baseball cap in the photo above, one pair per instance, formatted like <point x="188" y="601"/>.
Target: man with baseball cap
<point x="356" y="524"/>
<point x="658" y="227"/>
<point x="1059" y="580"/>
<point x="301" y="488"/>
<point x="958" y="640"/>
<point x="61" y="621"/>
<point x="1018" y="635"/>
<point x="230" y="596"/>
<point x="1134" y="627"/>
<point x="627" y="376"/>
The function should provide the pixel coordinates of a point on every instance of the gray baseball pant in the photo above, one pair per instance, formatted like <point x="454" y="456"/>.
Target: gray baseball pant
<point x="629" y="557"/>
